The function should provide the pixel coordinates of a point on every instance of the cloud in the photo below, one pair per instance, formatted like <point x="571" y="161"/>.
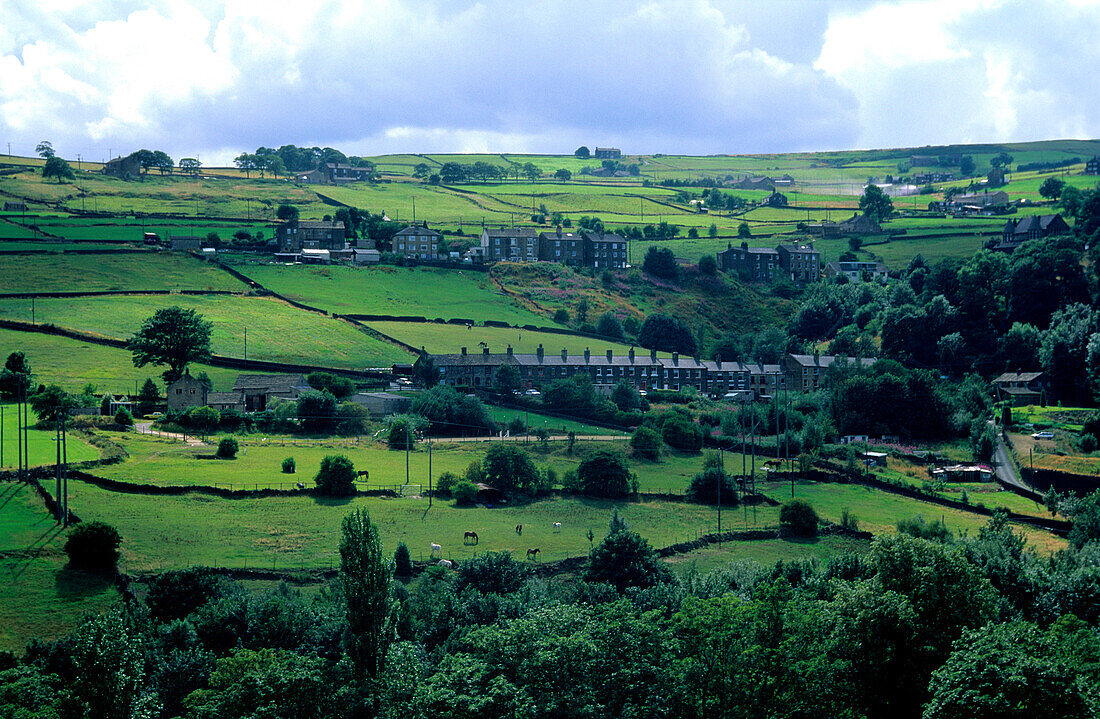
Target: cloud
<point x="198" y="77"/>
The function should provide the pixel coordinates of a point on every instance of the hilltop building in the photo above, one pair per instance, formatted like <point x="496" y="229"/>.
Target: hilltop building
<point x="755" y="264"/>
<point x="1017" y="232"/>
<point x="607" y="153"/>
<point x="301" y="235"/>
<point x="802" y="261"/>
<point x="515" y="244"/>
<point x="416" y="242"/>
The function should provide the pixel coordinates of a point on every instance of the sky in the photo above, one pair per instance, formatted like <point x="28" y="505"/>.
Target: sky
<point x="206" y="79"/>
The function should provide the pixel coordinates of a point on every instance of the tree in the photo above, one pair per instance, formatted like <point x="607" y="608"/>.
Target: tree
<point x="966" y="166"/>
<point x="666" y="334"/>
<point x="52" y="402"/>
<point x="1052" y="188"/>
<point x="402" y="562"/>
<point x="680" y="432"/>
<point x="316" y="411"/>
<point x="605" y="474"/>
<point x="507" y="467"/>
<point x="365" y="578"/>
<point x="425" y="373"/>
<point x="506" y="380"/>
<point x="108" y="670"/>
<point x="625" y="396"/>
<point x="93" y="546"/>
<point x="287" y="213"/>
<point x="582" y="153"/>
<point x="743" y="230"/>
<point x="706" y="486"/>
<point x="228" y="448"/>
<point x="338" y="387"/>
<point x="660" y="262"/>
<point x="609" y="326"/>
<point x="401" y="434"/>
<point x="563" y="174"/>
<point x="173" y="336"/>
<point x="712" y="231"/>
<point x="246" y="163"/>
<point x="561" y="316"/>
<point x="44" y="149"/>
<point x="708" y="266"/>
<point x="284" y="683"/>
<point x="450" y="412"/>
<point x="56" y="167"/>
<point x="190" y="165"/>
<point x="16" y="376"/>
<point x="876" y="204"/>
<point x="532" y="171"/>
<point x="336" y="477"/>
<point x="1002" y="159"/>
<point x="624" y="559"/>
<point x="148" y="397"/>
<point x="798" y="517"/>
<point x="646" y="443"/>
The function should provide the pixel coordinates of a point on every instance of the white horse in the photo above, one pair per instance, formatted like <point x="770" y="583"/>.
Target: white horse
<point x="446" y="564"/>
<point x="437" y="550"/>
<point x="557" y="526"/>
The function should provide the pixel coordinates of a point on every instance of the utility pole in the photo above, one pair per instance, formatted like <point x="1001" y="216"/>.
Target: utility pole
<point x="65" y="469"/>
<point x="1" y="435"/>
<point x="19" y="432"/>
<point x="246" y="343"/>
<point x="429" y="474"/>
<point x="57" y="467"/>
<point x="721" y="482"/>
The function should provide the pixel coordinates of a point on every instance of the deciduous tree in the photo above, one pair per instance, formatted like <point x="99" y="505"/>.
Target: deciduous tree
<point x="174" y="336"/>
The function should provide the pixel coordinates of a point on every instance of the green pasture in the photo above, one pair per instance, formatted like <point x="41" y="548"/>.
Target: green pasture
<point x="767" y="551"/>
<point x="12" y="229"/>
<point x="449" y="339"/>
<point x="879" y="511"/>
<point x="43" y="448"/>
<point x="44" y="599"/>
<point x="73" y="364"/>
<point x="81" y="228"/>
<point x="59" y="246"/>
<point x="79" y="273"/>
<point x="414" y="291"/>
<point x="556" y="425"/>
<point x="272" y="329"/>
<point x="165" y="532"/>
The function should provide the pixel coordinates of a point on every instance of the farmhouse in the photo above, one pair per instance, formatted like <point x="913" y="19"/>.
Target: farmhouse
<point x="515" y="244"/>
<point x="1092" y="167"/>
<point x="566" y="248"/>
<point x="338" y="172"/>
<point x="187" y="392"/>
<point x="982" y="199"/>
<point x="604" y="250"/>
<point x="309" y="235"/>
<point x="756" y="264"/>
<point x="15" y="207"/>
<point x="856" y="270"/>
<point x="226" y="401"/>
<point x="416" y="242"/>
<point x="807" y="372"/>
<point x="859" y="224"/>
<point x="801" y="261"/>
<point x="381" y="404"/>
<point x="1035" y="227"/>
<point x="259" y="390"/>
<point x="122" y="167"/>
<point x="757" y="182"/>
<point x="607" y="153"/>
<point x="1020" y="388"/>
<point x="185" y="243"/>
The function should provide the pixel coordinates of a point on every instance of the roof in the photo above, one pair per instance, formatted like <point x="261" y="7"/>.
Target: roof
<point x="214" y="398"/>
<point x="1019" y="377"/>
<point x="315" y="253"/>
<point x="571" y="236"/>
<point x="603" y="237"/>
<point x="1020" y="391"/>
<point x="528" y="232"/>
<point x="416" y="230"/>
<point x="796" y="247"/>
<point x="380" y="395"/>
<point x="751" y="250"/>
<point x="319" y="225"/>
<point x="827" y="360"/>
<point x="270" y="382"/>
<point x="856" y="266"/>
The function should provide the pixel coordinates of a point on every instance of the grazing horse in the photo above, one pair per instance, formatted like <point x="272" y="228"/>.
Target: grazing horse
<point x="773" y="465"/>
<point x="468" y="536"/>
<point x="533" y="554"/>
<point x="557" y="526"/>
<point x="519" y="529"/>
<point x="364" y="473"/>
<point x="437" y="550"/>
<point x="446" y="564"/>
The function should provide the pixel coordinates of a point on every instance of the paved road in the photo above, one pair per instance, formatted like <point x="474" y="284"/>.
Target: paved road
<point x="1004" y="467"/>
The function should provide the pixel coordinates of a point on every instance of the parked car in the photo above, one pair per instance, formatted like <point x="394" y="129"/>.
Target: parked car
<point x="532" y="393"/>
<point x="1043" y="435"/>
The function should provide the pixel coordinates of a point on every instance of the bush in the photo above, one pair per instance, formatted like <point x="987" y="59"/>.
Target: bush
<point x="1087" y="443"/>
<point x="124" y="418"/>
<point x="336" y="477"/>
<point x="562" y="316"/>
<point x="204" y="419"/>
<point x="646" y="444"/>
<point x="516" y="427"/>
<point x="797" y="516"/>
<point x="401" y="435"/>
<point x="605" y="474"/>
<point x="465" y="493"/>
<point x="402" y="564"/>
<point x="445" y="484"/>
<point x="93" y="546"/>
<point x="507" y="467"/>
<point x="227" y="448"/>
<point x="492" y="573"/>
<point x="289" y="466"/>
<point x="680" y="432"/>
<point x="176" y="593"/>
<point x="706" y="485"/>
<point x="850" y="522"/>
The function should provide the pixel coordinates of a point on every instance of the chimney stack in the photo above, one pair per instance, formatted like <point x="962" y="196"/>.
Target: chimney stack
<point x="509" y="350"/>
<point x="718" y="361"/>
<point x="675" y="358"/>
<point x="564" y="354"/>
<point x="653" y="355"/>
<point x="539" y="352"/>
<point x="630" y="354"/>
<point x="485" y="351"/>
<point x="609" y="356"/>
<point x="587" y="355"/>
<point x="463" y="351"/>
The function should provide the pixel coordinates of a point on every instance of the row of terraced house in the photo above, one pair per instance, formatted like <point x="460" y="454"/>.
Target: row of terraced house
<point x="642" y="370"/>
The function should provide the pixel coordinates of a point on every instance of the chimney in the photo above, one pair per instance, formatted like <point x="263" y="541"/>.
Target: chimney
<point x="539" y="352"/>
<point x="587" y="355"/>
<point x="745" y="246"/>
<point x="564" y="354"/>
<point x="509" y="350"/>
<point x="559" y="230"/>
<point x="630" y="354"/>
<point x="817" y="355"/>
<point x="609" y="356"/>
<point x="485" y="351"/>
<point x="653" y="355"/>
<point x="463" y="351"/>
<point x="675" y="358"/>
<point x="718" y="361"/>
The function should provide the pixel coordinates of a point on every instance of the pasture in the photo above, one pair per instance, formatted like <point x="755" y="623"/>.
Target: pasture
<point x="73" y="364"/>
<point x="113" y="271"/>
<point x="267" y="328"/>
<point x="44" y="598"/>
<point x="449" y="339"/>
<point x="414" y="291"/>
<point x="43" y="447"/>
<point x="765" y="551"/>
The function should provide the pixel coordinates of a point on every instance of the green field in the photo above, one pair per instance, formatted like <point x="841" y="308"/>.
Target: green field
<point x="86" y="273"/>
<point x="131" y="230"/>
<point x="73" y="364"/>
<point x="449" y="339"/>
<point x="421" y="292"/>
<point x="556" y="425"/>
<point x="43" y="448"/>
<point x="275" y="330"/>
<point x="767" y="552"/>
<point x="44" y="598"/>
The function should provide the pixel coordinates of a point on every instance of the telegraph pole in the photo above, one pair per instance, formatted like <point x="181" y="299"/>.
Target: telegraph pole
<point x="65" y="469"/>
<point x="57" y="468"/>
<point x="429" y="474"/>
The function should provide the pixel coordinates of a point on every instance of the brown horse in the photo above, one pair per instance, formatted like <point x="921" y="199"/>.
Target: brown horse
<point x="468" y="536"/>
<point x="533" y="553"/>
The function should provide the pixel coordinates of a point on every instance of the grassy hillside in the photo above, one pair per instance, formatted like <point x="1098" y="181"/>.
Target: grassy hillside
<point x="84" y="273"/>
<point x="275" y="330"/>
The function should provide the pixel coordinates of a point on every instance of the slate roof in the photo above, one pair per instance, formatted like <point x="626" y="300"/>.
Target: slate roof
<point x="525" y="232"/>
<point x="827" y="360"/>
<point x="606" y="237"/>
<point x="275" y="383"/>
<point x="415" y="230"/>
<point x="214" y="398"/>
<point x="1019" y="377"/>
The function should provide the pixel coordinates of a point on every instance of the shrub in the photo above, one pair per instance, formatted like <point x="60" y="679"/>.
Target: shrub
<point x="1087" y="443"/>
<point x="492" y="573"/>
<point x="445" y="484"/>
<point x="605" y="474"/>
<point x="401" y="434"/>
<point x="227" y="448"/>
<point x="562" y="316"/>
<point x="465" y="493"/>
<point x="204" y="419"/>
<point x="402" y="564"/>
<point x="124" y="418"/>
<point x="176" y="593"/>
<point x="680" y="432"/>
<point x="646" y="444"/>
<point x="336" y="477"/>
<point x="289" y="466"/>
<point x="706" y="486"/>
<point x="93" y="546"/>
<point x="797" y="516"/>
<point x="516" y="427"/>
<point x="850" y="522"/>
